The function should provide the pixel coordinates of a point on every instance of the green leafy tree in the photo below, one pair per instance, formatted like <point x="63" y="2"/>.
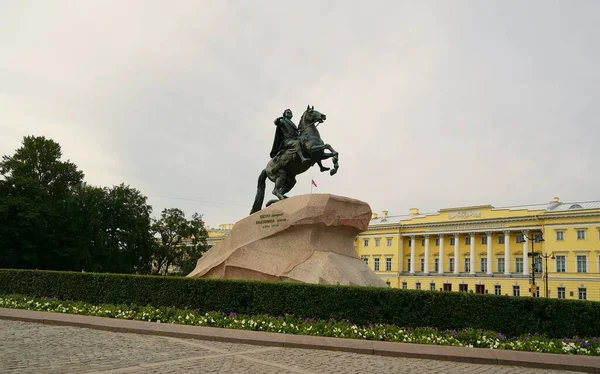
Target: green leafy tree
<point x="130" y="241"/>
<point x="113" y="229"/>
<point x="33" y="201"/>
<point x="181" y="242"/>
<point x="51" y="219"/>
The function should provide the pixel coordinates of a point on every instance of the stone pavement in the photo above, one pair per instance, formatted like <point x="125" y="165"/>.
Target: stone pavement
<point x="27" y="347"/>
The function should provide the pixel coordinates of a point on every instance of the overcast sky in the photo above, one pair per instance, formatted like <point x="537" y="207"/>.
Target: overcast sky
<point x="431" y="104"/>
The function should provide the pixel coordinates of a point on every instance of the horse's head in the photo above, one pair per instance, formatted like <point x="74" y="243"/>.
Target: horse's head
<point x="311" y="117"/>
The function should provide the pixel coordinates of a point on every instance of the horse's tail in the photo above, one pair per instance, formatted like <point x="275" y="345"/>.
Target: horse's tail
<point x="260" y="192"/>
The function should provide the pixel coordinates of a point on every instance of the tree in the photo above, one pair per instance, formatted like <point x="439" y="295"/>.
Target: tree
<point x="130" y="241"/>
<point x="51" y="219"/>
<point x="181" y="242"/>
<point x="112" y="227"/>
<point x="33" y="201"/>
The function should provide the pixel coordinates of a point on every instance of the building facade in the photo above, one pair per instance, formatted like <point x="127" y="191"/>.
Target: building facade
<point x="484" y="249"/>
<point x="215" y="235"/>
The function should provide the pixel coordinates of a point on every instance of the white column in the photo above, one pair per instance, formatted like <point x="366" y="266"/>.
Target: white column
<point x="506" y="252"/>
<point x="525" y="252"/>
<point x="412" y="254"/>
<point x="472" y="254"/>
<point x="400" y="253"/>
<point x="441" y="258"/>
<point x="490" y="262"/>
<point x="426" y="267"/>
<point x="456" y="254"/>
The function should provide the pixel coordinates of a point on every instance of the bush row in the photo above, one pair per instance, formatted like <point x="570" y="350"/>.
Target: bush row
<point x="361" y="305"/>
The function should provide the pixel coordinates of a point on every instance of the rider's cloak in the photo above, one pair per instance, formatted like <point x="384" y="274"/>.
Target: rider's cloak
<point x="279" y="138"/>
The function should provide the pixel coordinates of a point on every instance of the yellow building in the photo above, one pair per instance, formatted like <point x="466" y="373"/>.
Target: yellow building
<point x="216" y="235"/>
<point x="486" y="249"/>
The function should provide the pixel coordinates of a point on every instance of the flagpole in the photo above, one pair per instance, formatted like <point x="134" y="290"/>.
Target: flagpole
<point x="311" y="183"/>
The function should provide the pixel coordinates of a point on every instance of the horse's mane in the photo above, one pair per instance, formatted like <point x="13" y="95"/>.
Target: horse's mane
<point x="301" y="123"/>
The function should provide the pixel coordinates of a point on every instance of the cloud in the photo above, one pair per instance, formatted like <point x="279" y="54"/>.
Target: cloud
<point x="429" y="104"/>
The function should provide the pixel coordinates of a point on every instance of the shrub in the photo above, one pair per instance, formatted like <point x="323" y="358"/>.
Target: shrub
<point x="361" y="305"/>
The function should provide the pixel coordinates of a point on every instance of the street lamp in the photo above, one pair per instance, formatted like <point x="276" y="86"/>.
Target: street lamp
<point x="546" y="257"/>
<point x="532" y="255"/>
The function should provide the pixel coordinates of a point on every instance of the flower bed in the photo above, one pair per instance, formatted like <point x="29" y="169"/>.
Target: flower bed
<point x="290" y="324"/>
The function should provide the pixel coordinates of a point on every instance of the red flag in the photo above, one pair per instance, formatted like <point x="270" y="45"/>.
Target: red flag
<point x="313" y="183"/>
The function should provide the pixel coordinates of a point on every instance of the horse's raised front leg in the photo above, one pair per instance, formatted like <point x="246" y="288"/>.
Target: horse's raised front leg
<point x="330" y="149"/>
<point x="323" y="168"/>
<point x="335" y="156"/>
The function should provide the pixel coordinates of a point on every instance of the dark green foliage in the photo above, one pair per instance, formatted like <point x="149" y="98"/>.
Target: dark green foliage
<point x="181" y="241"/>
<point x="51" y="219"/>
<point x="361" y="305"/>
<point x="34" y="193"/>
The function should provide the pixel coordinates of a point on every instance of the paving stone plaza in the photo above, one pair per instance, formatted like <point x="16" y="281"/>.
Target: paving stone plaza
<point x="37" y="348"/>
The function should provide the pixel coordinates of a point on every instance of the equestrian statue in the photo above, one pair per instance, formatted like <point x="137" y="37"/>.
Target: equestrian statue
<point x="295" y="150"/>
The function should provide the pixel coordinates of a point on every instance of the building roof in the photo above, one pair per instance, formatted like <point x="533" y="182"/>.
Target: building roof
<point x="556" y="206"/>
<point x="551" y="207"/>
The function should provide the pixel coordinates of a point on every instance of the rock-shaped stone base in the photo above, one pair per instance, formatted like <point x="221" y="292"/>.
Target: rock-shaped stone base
<point x="306" y="238"/>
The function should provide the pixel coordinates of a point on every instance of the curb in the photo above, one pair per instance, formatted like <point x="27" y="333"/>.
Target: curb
<point x="586" y="364"/>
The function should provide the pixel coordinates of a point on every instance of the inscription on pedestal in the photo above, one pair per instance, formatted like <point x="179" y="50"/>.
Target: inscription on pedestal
<point x="271" y="220"/>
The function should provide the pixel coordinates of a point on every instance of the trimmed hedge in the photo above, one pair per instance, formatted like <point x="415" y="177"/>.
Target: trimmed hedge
<point x="361" y="305"/>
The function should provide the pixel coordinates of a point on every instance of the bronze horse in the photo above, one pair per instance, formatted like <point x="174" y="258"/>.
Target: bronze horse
<point x="283" y="168"/>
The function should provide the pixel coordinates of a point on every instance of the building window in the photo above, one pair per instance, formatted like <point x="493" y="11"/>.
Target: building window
<point x="480" y="288"/>
<point x="422" y="242"/>
<point x="408" y="264"/>
<point x="410" y="242"/>
<point x="582" y="264"/>
<point x="389" y="242"/>
<point x="404" y="285"/>
<point x="497" y="289"/>
<point x="561" y="292"/>
<point x="377" y="241"/>
<point x="560" y="235"/>
<point x="388" y="264"/>
<point x="484" y="240"/>
<point x="451" y="264"/>
<point x="500" y="239"/>
<point x="467" y="265"/>
<point x="519" y="238"/>
<point x="452" y="240"/>
<point x="463" y="287"/>
<point x="447" y="286"/>
<point x="436" y="265"/>
<point x="366" y="242"/>
<point x="437" y="242"/>
<point x="422" y="265"/>
<point x="366" y="260"/>
<point x="468" y="240"/>
<point x="561" y="264"/>
<point x="582" y="293"/>
<point x="500" y="265"/>
<point x="580" y="234"/>
<point x="388" y="283"/>
<point x="376" y="264"/>
<point x="484" y="265"/>
<point x="418" y="285"/>
<point x="516" y="291"/>
<point x="519" y="265"/>
<point x="538" y="264"/>
<point x="431" y="286"/>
